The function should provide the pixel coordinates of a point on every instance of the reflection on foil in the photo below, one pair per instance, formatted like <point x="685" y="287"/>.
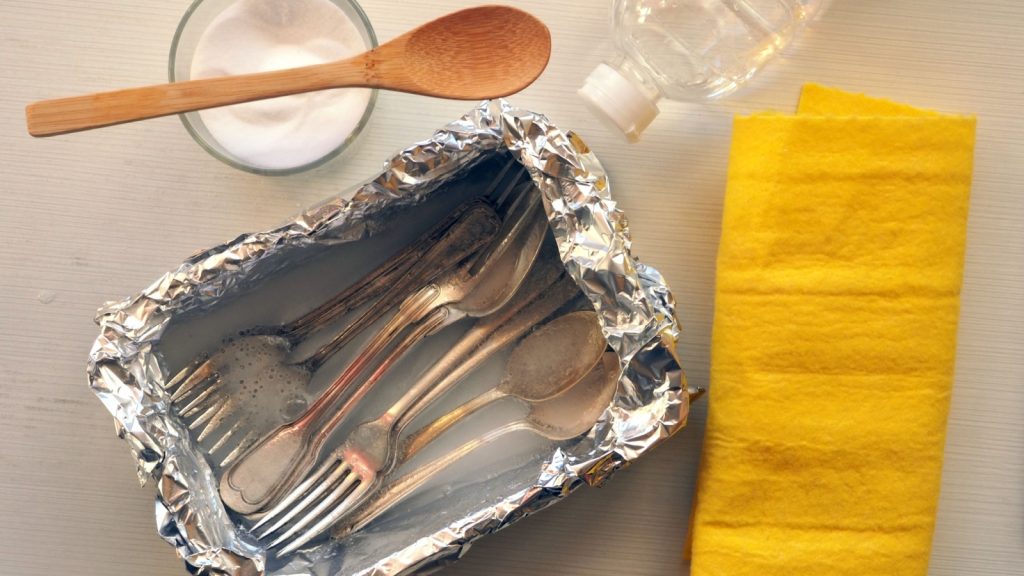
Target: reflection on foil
<point x="633" y="303"/>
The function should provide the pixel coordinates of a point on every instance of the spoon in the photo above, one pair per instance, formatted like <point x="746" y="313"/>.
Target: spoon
<point x="458" y="56"/>
<point x="205" y="393"/>
<point x="561" y="418"/>
<point x="280" y="460"/>
<point x="529" y="376"/>
<point x="355" y="470"/>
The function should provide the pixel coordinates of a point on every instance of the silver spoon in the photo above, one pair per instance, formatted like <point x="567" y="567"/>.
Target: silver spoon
<point x="537" y="370"/>
<point x="202" y="392"/>
<point x="562" y="418"/>
<point x="281" y="459"/>
<point x="355" y="469"/>
<point x="202" y="397"/>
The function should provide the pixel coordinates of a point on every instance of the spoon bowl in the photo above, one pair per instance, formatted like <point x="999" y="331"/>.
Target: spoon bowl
<point x="533" y="378"/>
<point x="473" y="54"/>
<point x="561" y="418"/>
<point x="573" y="413"/>
<point x="459" y="50"/>
<point x="537" y="370"/>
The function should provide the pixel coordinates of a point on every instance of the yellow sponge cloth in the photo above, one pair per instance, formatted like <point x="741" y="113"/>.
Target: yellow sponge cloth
<point x="834" y="339"/>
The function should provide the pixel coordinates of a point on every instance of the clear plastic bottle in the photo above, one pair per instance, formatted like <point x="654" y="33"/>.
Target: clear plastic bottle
<point x="687" y="50"/>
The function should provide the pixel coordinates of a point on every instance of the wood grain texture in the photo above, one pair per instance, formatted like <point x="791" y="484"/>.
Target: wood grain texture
<point x="77" y="113"/>
<point x="96" y="216"/>
<point x="450" y="57"/>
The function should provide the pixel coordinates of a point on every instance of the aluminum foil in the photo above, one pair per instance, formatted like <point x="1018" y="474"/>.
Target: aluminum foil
<point x="634" y="305"/>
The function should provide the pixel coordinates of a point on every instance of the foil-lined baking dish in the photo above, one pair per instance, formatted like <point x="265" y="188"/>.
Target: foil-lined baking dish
<point x="265" y="277"/>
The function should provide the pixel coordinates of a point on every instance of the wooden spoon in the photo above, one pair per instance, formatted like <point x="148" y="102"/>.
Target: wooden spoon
<point x="473" y="54"/>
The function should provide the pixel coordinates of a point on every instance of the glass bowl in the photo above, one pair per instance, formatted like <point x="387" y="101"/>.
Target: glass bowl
<point x="199" y="16"/>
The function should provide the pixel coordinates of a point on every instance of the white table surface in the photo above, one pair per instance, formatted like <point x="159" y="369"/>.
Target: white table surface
<point x="97" y="216"/>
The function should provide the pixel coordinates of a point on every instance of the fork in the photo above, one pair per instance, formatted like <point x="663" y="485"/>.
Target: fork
<point x="558" y="419"/>
<point x="482" y="285"/>
<point x="197" y="389"/>
<point x="201" y="393"/>
<point x="353" y="471"/>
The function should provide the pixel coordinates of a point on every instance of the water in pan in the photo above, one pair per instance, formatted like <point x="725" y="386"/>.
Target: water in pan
<point x="270" y="394"/>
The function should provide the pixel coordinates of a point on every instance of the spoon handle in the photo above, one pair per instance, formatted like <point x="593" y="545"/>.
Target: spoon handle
<point x="469" y="234"/>
<point x="409" y="483"/>
<point x="543" y="292"/>
<point x="421" y="330"/>
<point x="373" y="285"/>
<point x="432" y="431"/>
<point x="414" y="309"/>
<point x="77" y="113"/>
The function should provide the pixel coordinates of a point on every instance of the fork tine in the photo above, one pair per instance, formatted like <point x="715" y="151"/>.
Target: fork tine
<point x="241" y="447"/>
<point x="207" y="414"/>
<point x="329" y="520"/>
<point x="513" y="183"/>
<point x="197" y="403"/>
<point x="297" y="492"/>
<point x="217" y="419"/>
<point x="337" y="494"/>
<point x="499" y="178"/>
<point x="185" y="372"/>
<point x="203" y="371"/>
<point x="220" y="443"/>
<point x="338" y="473"/>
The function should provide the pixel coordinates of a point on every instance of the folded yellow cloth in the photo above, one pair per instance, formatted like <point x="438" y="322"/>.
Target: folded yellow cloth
<point x="834" y="339"/>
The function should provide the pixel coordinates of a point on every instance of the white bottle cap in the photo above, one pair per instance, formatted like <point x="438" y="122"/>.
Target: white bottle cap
<point x="618" y="99"/>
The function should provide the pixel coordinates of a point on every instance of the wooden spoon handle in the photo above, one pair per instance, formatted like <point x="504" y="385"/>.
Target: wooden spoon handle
<point x="64" y="115"/>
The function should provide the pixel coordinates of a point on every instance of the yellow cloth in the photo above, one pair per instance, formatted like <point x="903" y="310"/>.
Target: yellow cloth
<point x="834" y="339"/>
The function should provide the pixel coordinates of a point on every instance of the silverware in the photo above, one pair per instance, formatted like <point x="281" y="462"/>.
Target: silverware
<point x="536" y="371"/>
<point x="199" y="396"/>
<point x="353" y="469"/>
<point x="281" y="459"/>
<point x="561" y="418"/>
<point x="198" y="391"/>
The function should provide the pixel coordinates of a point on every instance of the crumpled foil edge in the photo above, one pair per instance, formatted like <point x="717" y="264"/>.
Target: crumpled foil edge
<point x="634" y="305"/>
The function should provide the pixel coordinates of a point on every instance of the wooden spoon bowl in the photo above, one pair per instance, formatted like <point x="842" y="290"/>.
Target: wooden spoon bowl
<point x="473" y="54"/>
<point x="455" y="54"/>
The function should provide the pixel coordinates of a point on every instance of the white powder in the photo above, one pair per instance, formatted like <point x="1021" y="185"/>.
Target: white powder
<point x="262" y="35"/>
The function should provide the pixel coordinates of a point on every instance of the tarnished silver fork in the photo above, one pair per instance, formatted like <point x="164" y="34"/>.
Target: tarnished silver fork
<point x="281" y="459"/>
<point x="210" y="405"/>
<point x="353" y="471"/>
<point x="197" y="392"/>
<point x="558" y="419"/>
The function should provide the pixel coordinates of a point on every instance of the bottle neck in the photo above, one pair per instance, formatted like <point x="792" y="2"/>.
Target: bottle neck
<point x="620" y="93"/>
<point x="637" y="75"/>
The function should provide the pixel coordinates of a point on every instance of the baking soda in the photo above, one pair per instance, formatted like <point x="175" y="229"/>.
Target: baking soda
<point x="264" y="35"/>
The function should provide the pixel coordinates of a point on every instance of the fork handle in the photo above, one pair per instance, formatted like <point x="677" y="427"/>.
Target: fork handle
<point x="424" y="328"/>
<point x="474" y="347"/>
<point x="462" y="239"/>
<point x="537" y="299"/>
<point x="409" y="483"/>
<point x="379" y="281"/>
<point x="413" y="310"/>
